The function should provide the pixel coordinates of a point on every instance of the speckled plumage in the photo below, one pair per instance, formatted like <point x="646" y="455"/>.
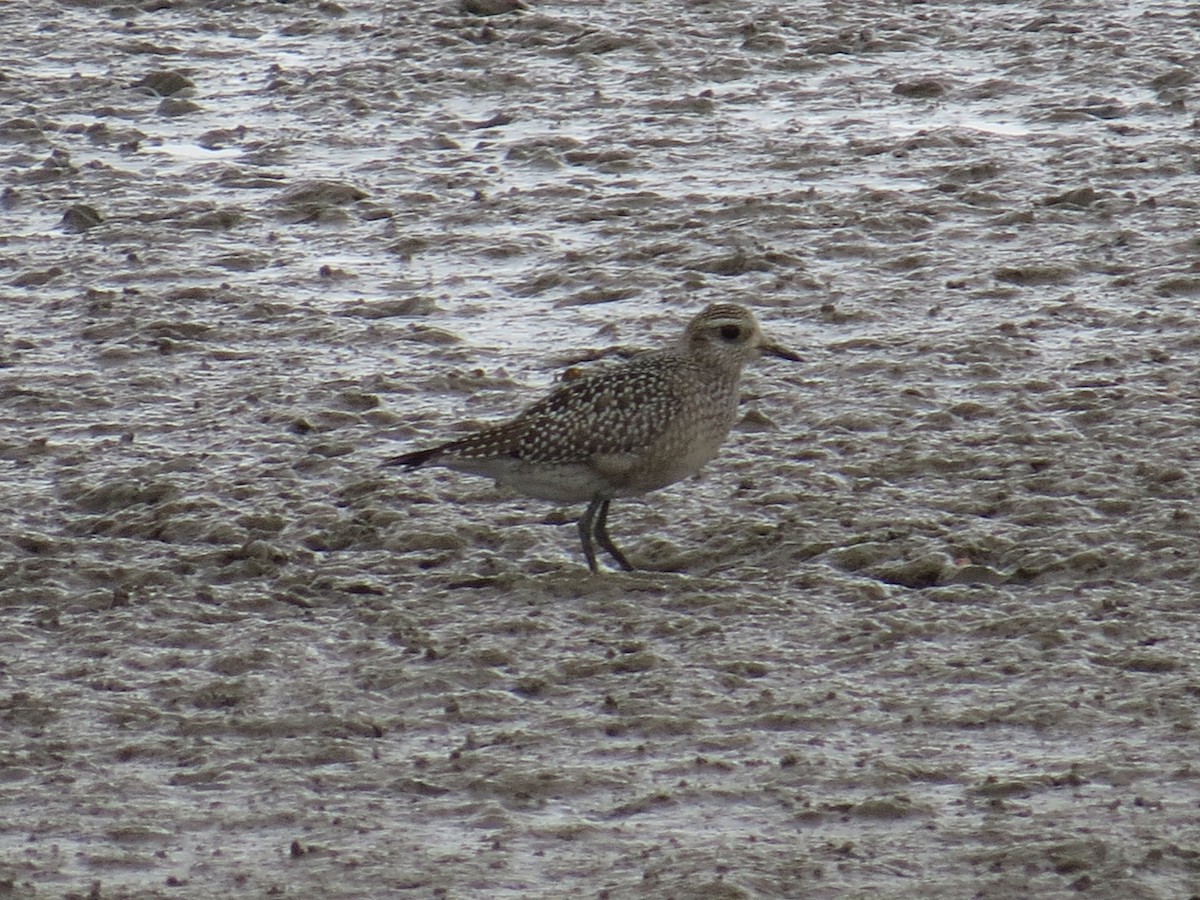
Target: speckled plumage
<point x="620" y="431"/>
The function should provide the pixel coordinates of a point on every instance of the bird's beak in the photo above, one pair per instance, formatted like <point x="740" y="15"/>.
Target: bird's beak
<point x="773" y="349"/>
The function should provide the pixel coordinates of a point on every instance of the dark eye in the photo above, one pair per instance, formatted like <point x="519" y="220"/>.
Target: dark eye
<point x="731" y="332"/>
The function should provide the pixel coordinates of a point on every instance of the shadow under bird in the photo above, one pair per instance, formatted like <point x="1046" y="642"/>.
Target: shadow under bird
<point x="623" y="430"/>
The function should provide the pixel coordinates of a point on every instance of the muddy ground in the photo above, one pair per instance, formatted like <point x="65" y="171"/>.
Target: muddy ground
<point x="927" y="627"/>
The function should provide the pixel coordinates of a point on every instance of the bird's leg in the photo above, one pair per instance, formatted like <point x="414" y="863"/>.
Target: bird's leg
<point x="585" y="532"/>
<point x="600" y="528"/>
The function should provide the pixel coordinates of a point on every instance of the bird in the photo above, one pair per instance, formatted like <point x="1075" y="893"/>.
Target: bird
<point x="620" y="431"/>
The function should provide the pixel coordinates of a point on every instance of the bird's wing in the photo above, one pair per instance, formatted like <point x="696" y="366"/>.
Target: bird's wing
<point x="615" y="412"/>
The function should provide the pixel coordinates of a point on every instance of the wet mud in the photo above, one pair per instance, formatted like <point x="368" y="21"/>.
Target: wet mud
<point x="926" y="627"/>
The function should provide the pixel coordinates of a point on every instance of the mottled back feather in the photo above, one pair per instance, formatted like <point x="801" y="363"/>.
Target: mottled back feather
<point x="618" y="410"/>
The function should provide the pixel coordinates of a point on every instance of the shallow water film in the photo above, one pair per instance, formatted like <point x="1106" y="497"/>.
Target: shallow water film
<point x="926" y="627"/>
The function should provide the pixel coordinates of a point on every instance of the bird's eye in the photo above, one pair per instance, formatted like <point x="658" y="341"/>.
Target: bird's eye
<point x="731" y="332"/>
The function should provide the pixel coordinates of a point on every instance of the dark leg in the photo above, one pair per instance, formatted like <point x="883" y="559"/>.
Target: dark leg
<point x="585" y="532"/>
<point x="601" y="532"/>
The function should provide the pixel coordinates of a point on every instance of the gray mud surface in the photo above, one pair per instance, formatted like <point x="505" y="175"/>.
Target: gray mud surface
<point x="928" y="626"/>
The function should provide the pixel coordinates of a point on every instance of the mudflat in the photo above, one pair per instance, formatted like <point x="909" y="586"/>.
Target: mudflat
<point x="926" y="627"/>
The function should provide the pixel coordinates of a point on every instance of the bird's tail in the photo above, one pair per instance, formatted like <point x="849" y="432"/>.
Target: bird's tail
<point x="414" y="459"/>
